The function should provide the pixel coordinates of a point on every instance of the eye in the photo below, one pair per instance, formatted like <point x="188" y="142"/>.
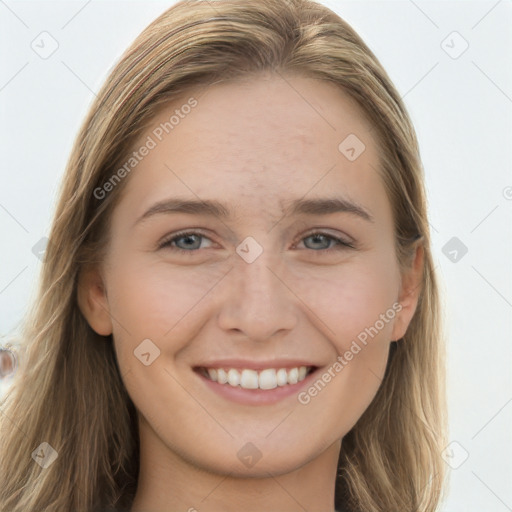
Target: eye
<point x="323" y="241"/>
<point x="191" y="241"/>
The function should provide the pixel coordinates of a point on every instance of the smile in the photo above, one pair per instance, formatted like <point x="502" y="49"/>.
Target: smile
<point x="266" y="379"/>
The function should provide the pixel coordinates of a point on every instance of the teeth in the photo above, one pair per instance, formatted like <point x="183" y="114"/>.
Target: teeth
<point x="251" y="379"/>
<point x="282" y="377"/>
<point x="293" y="376"/>
<point x="222" y="376"/>
<point x="268" y="379"/>
<point x="233" y="377"/>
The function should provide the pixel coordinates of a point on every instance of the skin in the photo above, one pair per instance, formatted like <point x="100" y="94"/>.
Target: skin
<point x="253" y="145"/>
<point x="6" y="363"/>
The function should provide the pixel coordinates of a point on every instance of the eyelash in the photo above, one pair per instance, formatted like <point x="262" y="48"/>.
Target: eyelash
<point x="339" y="243"/>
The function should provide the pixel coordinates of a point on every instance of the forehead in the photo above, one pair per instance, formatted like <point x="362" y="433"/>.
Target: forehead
<point x="258" y="145"/>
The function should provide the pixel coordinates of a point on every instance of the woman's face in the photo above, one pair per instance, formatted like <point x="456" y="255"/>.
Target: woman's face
<point x="260" y="283"/>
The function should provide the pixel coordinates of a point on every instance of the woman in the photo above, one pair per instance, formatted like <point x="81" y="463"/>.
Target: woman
<point x="257" y="370"/>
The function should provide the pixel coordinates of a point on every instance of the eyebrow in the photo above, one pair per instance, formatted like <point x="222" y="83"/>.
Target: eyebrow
<point x="320" y="206"/>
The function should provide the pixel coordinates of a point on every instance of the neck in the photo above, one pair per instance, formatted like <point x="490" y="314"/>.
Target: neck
<point x="169" y="482"/>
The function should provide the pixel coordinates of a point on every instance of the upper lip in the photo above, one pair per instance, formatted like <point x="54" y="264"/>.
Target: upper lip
<point x="256" y="365"/>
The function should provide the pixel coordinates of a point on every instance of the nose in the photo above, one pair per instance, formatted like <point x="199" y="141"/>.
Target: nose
<point x="256" y="300"/>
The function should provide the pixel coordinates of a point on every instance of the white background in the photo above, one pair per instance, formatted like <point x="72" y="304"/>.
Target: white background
<point x="462" y="111"/>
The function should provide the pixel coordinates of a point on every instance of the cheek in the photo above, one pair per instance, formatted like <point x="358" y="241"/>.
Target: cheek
<point x="353" y="301"/>
<point x="154" y="299"/>
<point x="355" y="306"/>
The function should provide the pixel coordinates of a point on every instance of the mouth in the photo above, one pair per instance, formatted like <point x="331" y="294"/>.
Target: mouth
<point x="267" y="379"/>
<point x="260" y="386"/>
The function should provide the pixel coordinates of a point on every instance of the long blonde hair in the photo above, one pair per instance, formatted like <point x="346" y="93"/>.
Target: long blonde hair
<point x="68" y="390"/>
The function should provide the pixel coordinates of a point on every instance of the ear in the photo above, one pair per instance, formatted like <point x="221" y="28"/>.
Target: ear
<point x="410" y="290"/>
<point x="93" y="301"/>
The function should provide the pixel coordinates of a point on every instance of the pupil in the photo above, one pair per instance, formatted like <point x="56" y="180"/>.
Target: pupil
<point x="317" y="238"/>
<point x="189" y="240"/>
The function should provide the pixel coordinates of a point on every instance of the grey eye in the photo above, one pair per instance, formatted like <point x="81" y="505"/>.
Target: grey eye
<point x="319" y="241"/>
<point x="191" y="241"/>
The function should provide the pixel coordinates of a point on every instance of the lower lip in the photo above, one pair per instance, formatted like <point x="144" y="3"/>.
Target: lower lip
<point x="257" y="396"/>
